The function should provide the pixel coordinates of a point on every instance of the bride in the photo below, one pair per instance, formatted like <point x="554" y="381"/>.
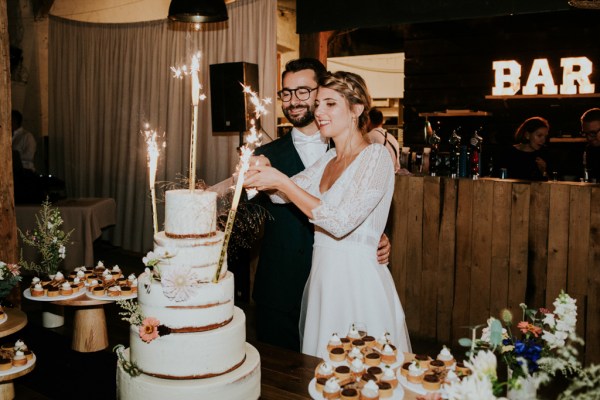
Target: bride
<point x="347" y="196"/>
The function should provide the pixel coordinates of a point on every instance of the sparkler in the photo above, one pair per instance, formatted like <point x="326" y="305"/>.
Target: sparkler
<point x="253" y="140"/>
<point x="152" y="157"/>
<point x="179" y="73"/>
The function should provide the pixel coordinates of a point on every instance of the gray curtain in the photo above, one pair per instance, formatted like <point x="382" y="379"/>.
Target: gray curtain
<point x="107" y="80"/>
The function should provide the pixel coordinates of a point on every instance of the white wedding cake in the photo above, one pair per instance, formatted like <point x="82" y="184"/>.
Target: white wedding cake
<point x="192" y="341"/>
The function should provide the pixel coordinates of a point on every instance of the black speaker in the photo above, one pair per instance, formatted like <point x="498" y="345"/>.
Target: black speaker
<point x="230" y="106"/>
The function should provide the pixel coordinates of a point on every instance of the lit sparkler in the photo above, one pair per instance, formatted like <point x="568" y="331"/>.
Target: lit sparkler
<point x="152" y="156"/>
<point x="252" y="141"/>
<point x="180" y="72"/>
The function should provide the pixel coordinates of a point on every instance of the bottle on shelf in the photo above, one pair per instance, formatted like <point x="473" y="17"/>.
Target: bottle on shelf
<point x="455" y="154"/>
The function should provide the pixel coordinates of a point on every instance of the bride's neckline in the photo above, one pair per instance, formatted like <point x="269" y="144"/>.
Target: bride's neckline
<point x="360" y="153"/>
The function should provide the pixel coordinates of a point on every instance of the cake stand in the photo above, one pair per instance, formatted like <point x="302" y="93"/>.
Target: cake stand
<point x="89" y="324"/>
<point x="17" y="319"/>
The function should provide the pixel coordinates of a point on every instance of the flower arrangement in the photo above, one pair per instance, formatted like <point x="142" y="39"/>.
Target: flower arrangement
<point x="545" y="344"/>
<point x="10" y="275"/>
<point x="48" y="238"/>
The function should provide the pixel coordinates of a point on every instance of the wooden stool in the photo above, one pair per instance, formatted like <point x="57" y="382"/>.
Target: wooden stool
<point x="89" y="324"/>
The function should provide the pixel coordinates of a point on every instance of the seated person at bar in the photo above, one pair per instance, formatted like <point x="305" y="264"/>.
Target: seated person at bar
<point x="528" y="159"/>
<point x="590" y="128"/>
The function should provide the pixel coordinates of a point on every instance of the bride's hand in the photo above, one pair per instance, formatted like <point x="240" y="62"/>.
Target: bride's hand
<point x="264" y="178"/>
<point x="259" y="161"/>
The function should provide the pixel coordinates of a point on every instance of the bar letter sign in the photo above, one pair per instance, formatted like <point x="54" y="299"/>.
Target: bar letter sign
<point x="576" y="73"/>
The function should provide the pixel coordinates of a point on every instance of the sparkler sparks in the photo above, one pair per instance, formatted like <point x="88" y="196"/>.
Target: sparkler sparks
<point x="153" y="152"/>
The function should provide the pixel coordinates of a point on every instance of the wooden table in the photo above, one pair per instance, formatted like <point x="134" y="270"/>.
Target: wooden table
<point x="285" y="374"/>
<point x="17" y="320"/>
<point x="86" y="216"/>
<point x="89" y="324"/>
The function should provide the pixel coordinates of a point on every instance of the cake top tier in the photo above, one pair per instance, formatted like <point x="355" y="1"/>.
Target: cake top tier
<point x="190" y="213"/>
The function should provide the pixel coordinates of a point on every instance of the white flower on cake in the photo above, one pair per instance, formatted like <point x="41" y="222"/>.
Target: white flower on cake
<point x="180" y="284"/>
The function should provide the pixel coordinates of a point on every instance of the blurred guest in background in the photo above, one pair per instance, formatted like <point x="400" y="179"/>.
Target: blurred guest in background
<point x="528" y="159"/>
<point x="22" y="141"/>
<point x="377" y="134"/>
<point x="590" y="128"/>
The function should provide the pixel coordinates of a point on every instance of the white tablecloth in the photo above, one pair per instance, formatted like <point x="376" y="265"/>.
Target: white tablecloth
<point x="87" y="216"/>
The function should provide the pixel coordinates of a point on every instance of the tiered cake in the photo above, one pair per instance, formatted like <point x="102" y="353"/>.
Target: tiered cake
<point x="199" y="348"/>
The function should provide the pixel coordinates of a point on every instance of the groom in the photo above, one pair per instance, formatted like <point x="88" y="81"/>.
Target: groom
<point x="286" y="250"/>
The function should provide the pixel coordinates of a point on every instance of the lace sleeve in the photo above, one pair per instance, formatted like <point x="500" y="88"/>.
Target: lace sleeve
<point x="305" y="179"/>
<point x="372" y="179"/>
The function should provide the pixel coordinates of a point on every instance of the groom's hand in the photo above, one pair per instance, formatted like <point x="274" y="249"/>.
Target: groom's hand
<point x="383" y="250"/>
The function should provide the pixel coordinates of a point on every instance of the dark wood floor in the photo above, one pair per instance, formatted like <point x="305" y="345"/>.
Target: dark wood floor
<point x="62" y="373"/>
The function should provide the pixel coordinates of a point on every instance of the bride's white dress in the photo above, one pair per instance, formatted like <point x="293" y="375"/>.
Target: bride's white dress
<point x="346" y="284"/>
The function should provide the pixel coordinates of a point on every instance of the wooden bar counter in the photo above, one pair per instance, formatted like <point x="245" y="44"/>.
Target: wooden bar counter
<point x="463" y="250"/>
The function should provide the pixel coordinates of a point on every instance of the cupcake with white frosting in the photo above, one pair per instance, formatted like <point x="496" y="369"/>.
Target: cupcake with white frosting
<point x="389" y="376"/>
<point x="370" y="391"/>
<point x="357" y="368"/>
<point x="355" y="353"/>
<point x="37" y="290"/>
<point x="332" y="389"/>
<point x="446" y="356"/>
<point x="19" y="359"/>
<point x="388" y="355"/>
<point x="65" y="289"/>
<point x="334" y="341"/>
<point x="415" y="372"/>
<point x="324" y="370"/>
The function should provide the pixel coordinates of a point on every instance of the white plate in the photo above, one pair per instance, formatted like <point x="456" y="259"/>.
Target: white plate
<point x="111" y="298"/>
<point x="312" y="391"/>
<point x="27" y="294"/>
<point x="14" y="370"/>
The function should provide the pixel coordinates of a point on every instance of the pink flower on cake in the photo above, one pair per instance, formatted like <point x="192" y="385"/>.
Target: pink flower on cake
<point x="149" y="329"/>
<point x="180" y="284"/>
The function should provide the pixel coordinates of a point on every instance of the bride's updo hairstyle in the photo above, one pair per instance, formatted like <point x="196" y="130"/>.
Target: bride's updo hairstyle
<point x="353" y="88"/>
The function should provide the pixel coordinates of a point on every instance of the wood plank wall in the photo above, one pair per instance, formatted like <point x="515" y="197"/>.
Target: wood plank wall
<point x="449" y="66"/>
<point x="463" y="250"/>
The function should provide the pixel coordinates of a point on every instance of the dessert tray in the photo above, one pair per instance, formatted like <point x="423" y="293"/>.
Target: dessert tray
<point x="315" y="395"/>
<point x="111" y="298"/>
<point x="14" y="370"/>
<point x="27" y="295"/>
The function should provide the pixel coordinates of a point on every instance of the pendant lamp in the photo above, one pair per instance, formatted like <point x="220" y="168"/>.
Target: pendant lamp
<point x="196" y="11"/>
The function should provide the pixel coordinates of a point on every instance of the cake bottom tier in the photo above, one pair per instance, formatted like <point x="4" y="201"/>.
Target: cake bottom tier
<point x="242" y="383"/>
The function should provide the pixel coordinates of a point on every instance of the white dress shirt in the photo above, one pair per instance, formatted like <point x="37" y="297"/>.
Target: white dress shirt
<point x="24" y="142"/>
<point x="310" y="148"/>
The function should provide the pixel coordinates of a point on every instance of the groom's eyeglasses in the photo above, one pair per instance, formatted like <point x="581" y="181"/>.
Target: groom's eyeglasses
<point x="302" y="93"/>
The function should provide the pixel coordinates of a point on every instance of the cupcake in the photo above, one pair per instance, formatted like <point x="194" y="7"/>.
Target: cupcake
<point x="66" y="289"/>
<point x="320" y="384"/>
<point x="372" y="359"/>
<point x="423" y="360"/>
<point x="451" y="377"/>
<point x="37" y="290"/>
<point x="385" y="390"/>
<point x="349" y="394"/>
<point x="19" y="359"/>
<point x="79" y="282"/>
<point x="114" y="291"/>
<point x="116" y="272"/>
<point x="342" y="372"/>
<point x="59" y="277"/>
<point x="355" y="353"/>
<point x="388" y="354"/>
<point x="375" y="371"/>
<point x="369" y="341"/>
<point x="358" y="343"/>
<point x="324" y="370"/>
<point x="446" y="356"/>
<point x="346" y="343"/>
<point x="131" y="278"/>
<point x="74" y="287"/>
<point x="126" y="290"/>
<point x="20" y="345"/>
<point x="80" y="274"/>
<point x="52" y="291"/>
<point x="431" y="382"/>
<point x="9" y="347"/>
<point x="462" y="369"/>
<point x="92" y="284"/>
<point x="332" y="389"/>
<point x="337" y="354"/>
<point x="334" y="341"/>
<point x="98" y="291"/>
<point x="370" y="391"/>
<point x="437" y="365"/>
<point x="122" y="281"/>
<point x="415" y="372"/>
<point x="353" y="333"/>
<point x="28" y="354"/>
<point x="382" y="340"/>
<point x="389" y="376"/>
<point x="357" y="368"/>
<point x="365" y="379"/>
<point x="35" y="280"/>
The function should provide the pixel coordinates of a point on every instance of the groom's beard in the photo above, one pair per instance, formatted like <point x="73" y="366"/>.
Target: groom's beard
<point x="301" y="120"/>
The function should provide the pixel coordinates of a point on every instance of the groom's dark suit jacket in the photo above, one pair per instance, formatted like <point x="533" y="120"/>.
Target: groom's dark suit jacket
<point x="286" y="252"/>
